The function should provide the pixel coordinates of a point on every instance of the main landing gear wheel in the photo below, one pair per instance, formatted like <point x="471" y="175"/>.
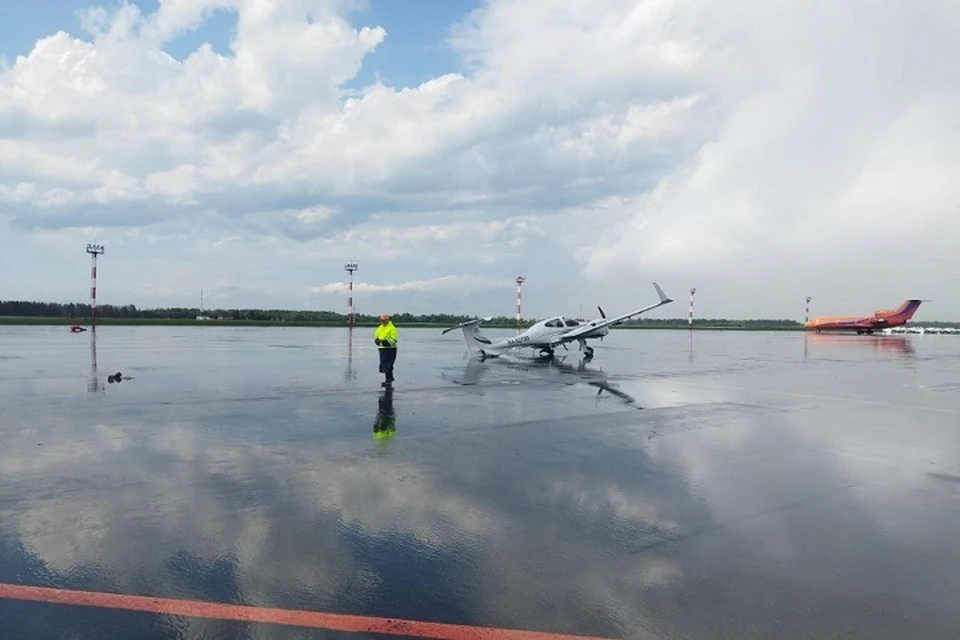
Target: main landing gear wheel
<point x="588" y="353"/>
<point x="546" y="353"/>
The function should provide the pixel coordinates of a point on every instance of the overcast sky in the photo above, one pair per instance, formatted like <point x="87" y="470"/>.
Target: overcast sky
<point x="761" y="151"/>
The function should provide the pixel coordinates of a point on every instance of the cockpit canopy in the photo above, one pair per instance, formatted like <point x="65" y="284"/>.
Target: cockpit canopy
<point x="561" y="322"/>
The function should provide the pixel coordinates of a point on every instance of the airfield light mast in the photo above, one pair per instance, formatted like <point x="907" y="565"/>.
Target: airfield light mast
<point x="94" y="250"/>
<point x="807" y="319"/>
<point x="690" y="319"/>
<point x="520" y="280"/>
<point x="350" y="267"/>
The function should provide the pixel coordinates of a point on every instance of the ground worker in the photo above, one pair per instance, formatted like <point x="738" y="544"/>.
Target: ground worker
<point x="385" y="337"/>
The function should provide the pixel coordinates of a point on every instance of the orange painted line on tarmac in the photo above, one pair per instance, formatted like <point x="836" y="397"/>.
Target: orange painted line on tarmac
<point x="292" y="617"/>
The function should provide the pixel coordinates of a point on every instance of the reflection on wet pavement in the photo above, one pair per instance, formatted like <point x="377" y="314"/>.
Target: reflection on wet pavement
<point x="773" y="485"/>
<point x="894" y="345"/>
<point x="385" y="426"/>
<point x="550" y="371"/>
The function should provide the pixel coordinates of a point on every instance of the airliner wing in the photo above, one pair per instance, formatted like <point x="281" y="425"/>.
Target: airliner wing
<point x="593" y="325"/>
<point x="868" y="322"/>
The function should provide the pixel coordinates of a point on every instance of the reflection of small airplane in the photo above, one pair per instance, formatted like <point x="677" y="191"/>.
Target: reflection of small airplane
<point x="881" y="319"/>
<point x="547" y="334"/>
<point x="552" y="369"/>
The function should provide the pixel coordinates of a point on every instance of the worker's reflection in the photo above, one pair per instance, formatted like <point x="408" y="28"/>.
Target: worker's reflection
<point x="385" y="424"/>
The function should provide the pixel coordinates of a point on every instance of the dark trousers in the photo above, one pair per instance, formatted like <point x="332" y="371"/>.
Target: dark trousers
<point x="387" y="358"/>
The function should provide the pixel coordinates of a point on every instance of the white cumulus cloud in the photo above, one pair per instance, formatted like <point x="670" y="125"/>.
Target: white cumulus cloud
<point x="760" y="151"/>
<point x="443" y="283"/>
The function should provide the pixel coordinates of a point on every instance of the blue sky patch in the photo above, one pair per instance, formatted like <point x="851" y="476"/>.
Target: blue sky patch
<point x="413" y="52"/>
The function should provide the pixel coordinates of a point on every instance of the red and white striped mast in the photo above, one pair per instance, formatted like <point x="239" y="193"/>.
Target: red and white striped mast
<point x="350" y="267"/>
<point x="94" y="250"/>
<point x="690" y="319"/>
<point x="520" y="280"/>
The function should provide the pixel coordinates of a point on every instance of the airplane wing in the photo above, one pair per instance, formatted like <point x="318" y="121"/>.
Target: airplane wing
<point x="593" y="325"/>
<point x="867" y="322"/>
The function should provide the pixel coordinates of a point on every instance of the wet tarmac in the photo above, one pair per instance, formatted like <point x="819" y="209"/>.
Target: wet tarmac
<point x="681" y="485"/>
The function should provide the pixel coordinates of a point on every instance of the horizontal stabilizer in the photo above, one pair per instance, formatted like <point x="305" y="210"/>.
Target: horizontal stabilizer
<point x="475" y="321"/>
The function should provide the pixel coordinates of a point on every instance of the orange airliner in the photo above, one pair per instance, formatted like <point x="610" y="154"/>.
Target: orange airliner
<point x="868" y="324"/>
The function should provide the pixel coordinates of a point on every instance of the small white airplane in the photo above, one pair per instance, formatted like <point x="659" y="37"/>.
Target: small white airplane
<point x="548" y="334"/>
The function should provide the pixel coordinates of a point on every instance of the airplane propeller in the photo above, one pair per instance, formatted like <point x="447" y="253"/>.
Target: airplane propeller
<point x="602" y="314"/>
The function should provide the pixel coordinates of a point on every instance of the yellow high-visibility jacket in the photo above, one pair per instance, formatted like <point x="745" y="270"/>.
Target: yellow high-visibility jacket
<point x="387" y="335"/>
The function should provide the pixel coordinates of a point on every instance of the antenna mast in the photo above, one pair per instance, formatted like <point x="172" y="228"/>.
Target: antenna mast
<point x="350" y="267"/>
<point x="94" y="250"/>
<point x="693" y="291"/>
<point x="520" y="280"/>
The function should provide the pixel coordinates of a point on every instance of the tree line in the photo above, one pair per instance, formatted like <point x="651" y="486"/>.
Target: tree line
<point x="81" y="311"/>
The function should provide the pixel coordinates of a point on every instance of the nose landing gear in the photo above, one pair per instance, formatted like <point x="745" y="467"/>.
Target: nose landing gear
<point x="587" y="350"/>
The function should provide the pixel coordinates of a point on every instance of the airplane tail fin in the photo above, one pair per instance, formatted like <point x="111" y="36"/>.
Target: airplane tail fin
<point x="471" y="334"/>
<point x="907" y="309"/>
<point x="911" y="307"/>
